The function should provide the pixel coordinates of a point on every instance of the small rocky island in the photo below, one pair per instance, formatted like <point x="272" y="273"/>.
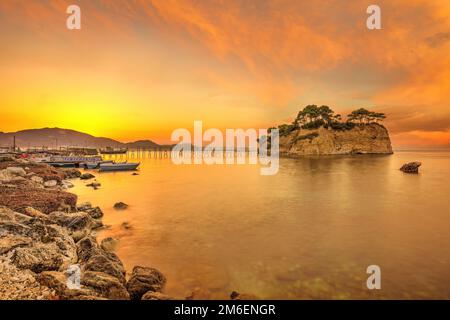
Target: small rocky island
<point x="46" y="239"/>
<point x="319" y="131"/>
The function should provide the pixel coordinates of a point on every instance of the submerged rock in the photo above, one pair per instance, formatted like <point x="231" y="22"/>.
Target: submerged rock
<point x="120" y="206"/>
<point x="143" y="280"/>
<point x="109" y="244"/>
<point x="242" y="296"/>
<point x="151" y="295"/>
<point x="94" y="212"/>
<point x="412" y="167"/>
<point x="126" y="225"/>
<point x="71" y="173"/>
<point x="94" y="185"/>
<point x="87" y="176"/>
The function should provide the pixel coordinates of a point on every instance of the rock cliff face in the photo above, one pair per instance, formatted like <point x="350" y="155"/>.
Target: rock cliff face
<point x="362" y="139"/>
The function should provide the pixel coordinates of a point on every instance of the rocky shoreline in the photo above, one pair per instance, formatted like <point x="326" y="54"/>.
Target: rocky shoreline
<point x="48" y="248"/>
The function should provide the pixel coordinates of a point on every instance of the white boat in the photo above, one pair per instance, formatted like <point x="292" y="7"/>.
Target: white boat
<point x="73" y="159"/>
<point x="125" y="166"/>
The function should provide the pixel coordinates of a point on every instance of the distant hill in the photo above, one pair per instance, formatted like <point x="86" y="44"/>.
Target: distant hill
<point x="51" y="137"/>
<point x="142" y="144"/>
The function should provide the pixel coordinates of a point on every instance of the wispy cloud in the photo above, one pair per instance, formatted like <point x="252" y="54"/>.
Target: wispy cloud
<point x="275" y="54"/>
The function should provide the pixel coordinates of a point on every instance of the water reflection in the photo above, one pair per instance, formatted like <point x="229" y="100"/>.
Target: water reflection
<point x="307" y="233"/>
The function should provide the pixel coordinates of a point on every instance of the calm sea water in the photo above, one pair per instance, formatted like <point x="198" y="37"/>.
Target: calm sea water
<point x="309" y="232"/>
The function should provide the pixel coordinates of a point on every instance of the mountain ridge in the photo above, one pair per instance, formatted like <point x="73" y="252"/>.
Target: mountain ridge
<point x="60" y="137"/>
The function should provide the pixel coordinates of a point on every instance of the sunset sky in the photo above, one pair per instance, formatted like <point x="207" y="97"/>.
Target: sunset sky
<point x="142" y="68"/>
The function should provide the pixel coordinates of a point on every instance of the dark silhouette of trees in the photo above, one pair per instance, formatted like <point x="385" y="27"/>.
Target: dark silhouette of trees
<point x="364" y="116"/>
<point x="314" y="117"/>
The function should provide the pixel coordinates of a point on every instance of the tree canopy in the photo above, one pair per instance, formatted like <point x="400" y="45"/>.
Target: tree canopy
<point x="313" y="117"/>
<point x="365" y="116"/>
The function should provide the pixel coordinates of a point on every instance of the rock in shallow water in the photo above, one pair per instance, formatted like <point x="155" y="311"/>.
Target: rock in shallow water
<point x="108" y="286"/>
<point x="94" y="185"/>
<point x="120" y="206"/>
<point x="109" y="244"/>
<point x="71" y="173"/>
<point x="151" y="295"/>
<point x="95" y="213"/>
<point x="94" y="258"/>
<point x="412" y="167"/>
<point x="87" y="176"/>
<point x="143" y="280"/>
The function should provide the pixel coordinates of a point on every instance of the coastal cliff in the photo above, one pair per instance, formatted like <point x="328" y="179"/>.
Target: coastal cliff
<point x="370" y="138"/>
<point x="320" y="131"/>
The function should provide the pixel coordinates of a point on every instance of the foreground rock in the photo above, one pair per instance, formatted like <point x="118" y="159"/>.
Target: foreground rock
<point x="79" y="224"/>
<point x="412" y="167"/>
<point x="93" y="258"/>
<point x="34" y="243"/>
<point x="144" y="280"/>
<point x="94" y="212"/>
<point x="45" y="239"/>
<point x="46" y="201"/>
<point x="58" y="282"/>
<point x="105" y="284"/>
<point x="18" y="284"/>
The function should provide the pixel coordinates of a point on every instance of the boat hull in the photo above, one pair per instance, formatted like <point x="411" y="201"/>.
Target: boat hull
<point x="119" y="167"/>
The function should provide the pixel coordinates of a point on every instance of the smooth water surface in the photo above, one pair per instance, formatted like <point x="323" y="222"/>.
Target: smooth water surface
<point x="310" y="231"/>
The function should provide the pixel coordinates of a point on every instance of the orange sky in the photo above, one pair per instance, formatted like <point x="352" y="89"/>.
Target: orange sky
<point x="141" y="68"/>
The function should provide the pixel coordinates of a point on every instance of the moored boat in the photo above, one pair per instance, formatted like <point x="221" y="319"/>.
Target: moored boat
<point x="93" y="165"/>
<point x="110" y="150"/>
<point x="125" y="166"/>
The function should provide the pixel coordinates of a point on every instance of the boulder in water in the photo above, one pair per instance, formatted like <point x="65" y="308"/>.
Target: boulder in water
<point x="143" y="280"/>
<point x="105" y="284"/>
<point x="87" y="176"/>
<point x="412" y="167"/>
<point x="120" y="206"/>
